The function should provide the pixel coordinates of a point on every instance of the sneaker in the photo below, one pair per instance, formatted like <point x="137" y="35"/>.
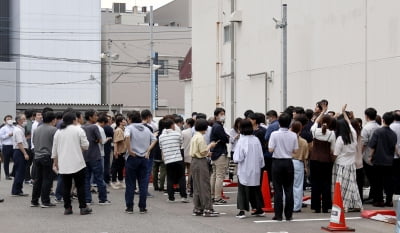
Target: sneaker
<point x="241" y="215"/>
<point x="220" y="202"/>
<point x="1" y="200"/>
<point x="68" y="211"/>
<point x="20" y="195"/>
<point x="143" y="210"/>
<point x="277" y="218"/>
<point x="258" y="213"/>
<point x="85" y="211"/>
<point x="8" y="178"/>
<point x="34" y="204"/>
<point x="58" y="201"/>
<point x="47" y="205"/>
<point x="197" y="213"/>
<point x="122" y="185"/>
<point x="184" y="200"/>
<point x="149" y="195"/>
<point x="115" y="185"/>
<point x="209" y="213"/>
<point x="171" y="200"/>
<point x="28" y="182"/>
<point x="129" y="210"/>
<point x="106" y="202"/>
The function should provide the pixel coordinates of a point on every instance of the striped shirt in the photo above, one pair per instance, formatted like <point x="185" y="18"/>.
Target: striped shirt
<point x="170" y="145"/>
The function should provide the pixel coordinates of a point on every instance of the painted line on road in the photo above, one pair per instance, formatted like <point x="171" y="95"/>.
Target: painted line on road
<point x="231" y="192"/>
<point x="305" y="220"/>
<point x="227" y="205"/>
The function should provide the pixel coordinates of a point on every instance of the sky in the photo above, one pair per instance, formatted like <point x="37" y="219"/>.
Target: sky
<point x="130" y="3"/>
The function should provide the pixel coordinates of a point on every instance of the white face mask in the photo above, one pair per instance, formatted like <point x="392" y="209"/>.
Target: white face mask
<point x="24" y="124"/>
<point x="222" y="118"/>
<point x="9" y="122"/>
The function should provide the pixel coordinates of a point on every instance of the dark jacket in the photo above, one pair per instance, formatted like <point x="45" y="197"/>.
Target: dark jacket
<point x="218" y="135"/>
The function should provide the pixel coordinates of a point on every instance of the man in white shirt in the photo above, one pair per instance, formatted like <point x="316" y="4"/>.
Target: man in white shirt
<point x="366" y="134"/>
<point x="20" y="155"/>
<point x="283" y="143"/>
<point x="6" y="134"/>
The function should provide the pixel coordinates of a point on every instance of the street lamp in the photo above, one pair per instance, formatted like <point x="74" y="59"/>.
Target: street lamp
<point x="110" y="57"/>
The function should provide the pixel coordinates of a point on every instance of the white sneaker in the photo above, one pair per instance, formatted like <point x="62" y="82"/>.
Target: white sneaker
<point x="115" y="185"/>
<point x="122" y="185"/>
<point x="184" y="200"/>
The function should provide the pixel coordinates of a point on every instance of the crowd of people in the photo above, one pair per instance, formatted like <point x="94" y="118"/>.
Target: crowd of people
<point x="296" y="148"/>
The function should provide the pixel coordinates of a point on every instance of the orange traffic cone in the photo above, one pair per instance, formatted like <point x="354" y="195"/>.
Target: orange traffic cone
<point x="337" y="222"/>
<point x="266" y="194"/>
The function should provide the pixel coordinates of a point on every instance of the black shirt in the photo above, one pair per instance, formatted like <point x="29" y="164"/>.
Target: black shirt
<point x="218" y="134"/>
<point x="260" y="134"/>
<point x="384" y="141"/>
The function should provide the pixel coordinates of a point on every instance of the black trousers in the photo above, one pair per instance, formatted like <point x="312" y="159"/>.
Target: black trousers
<point x="360" y="181"/>
<point x="7" y="155"/>
<point x="321" y="185"/>
<point x="396" y="176"/>
<point x="43" y="180"/>
<point x="28" y="174"/>
<point x="176" y="175"/>
<point x="383" y="181"/>
<point x="282" y="178"/>
<point x="370" y="173"/>
<point x="107" y="166"/>
<point x="249" y="194"/>
<point x="79" y="179"/>
<point x="117" y="168"/>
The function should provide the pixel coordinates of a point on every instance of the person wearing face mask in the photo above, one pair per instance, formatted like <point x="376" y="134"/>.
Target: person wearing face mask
<point x="20" y="155"/>
<point x="6" y="133"/>
<point x="219" y="155"/>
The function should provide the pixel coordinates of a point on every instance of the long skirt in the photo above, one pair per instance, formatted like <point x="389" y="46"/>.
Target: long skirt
<point x="346" y="176"/>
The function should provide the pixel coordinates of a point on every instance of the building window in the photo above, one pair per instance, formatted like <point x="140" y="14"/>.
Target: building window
<point x="164" y="67"/>
<point x="227" y="33"/>
<point x="180" y="63"/>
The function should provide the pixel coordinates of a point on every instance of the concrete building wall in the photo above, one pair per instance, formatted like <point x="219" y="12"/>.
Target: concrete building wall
<point x="131" y="73"/>
<point x="4" y="30"/>
<point x="346" y="52"/>
<point x="56" y="46"/>
<point x="177" y="13"/>
<point x="7" y="89"/>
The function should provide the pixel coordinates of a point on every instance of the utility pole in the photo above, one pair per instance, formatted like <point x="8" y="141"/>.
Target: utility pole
<point x="152" y="78"/>
<point x="109" y="42"/>
<point x="282" y="24"/>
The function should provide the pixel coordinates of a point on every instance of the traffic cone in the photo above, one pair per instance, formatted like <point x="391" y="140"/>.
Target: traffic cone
<point x="337" y="221"/>
<point x="223" y="195"/>
<point x="266" y="194"/>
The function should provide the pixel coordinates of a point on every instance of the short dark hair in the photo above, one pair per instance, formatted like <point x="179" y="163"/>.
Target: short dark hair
<point x="190" y="122"/>
<point x="146" y="114"/>
<point x="178" y="119"/>
<point x="78" y="114"/>
<point x="371" y="113"/>
<point x="201" y="124"/>
<point x="134" y="116"/>
<point x="168" y="123"/>
<point x="217" y="111"/>
<point x="118" y="121"/>
<point x="272" y="113"/>
<point x="246" y="128"/>
<point x="309" y="113"/>
<point x="7" y="117"/>
<point x="396" y="114"/>
<point x="59" y="115"/>
<point x="388" y="118"/>
<point x="284" y="120"/>
<point x="48" y="116"/>
<point x="28" y="113"/>
<point x="247" y="113"/>
<point x="201" y="116"/>
<point x="324" y="101"/>
<point x="289" y="110"/>
<point x="299" y="110"/>
<point x="302" y="119"/>
<point x="260" y="117"/>
<point x="90" y="113"/>
<point x="194" y="114"/>
<point x="102" y="118"/>
<point x="47" y="109"/>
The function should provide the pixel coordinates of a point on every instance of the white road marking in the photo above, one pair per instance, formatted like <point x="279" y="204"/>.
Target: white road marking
<point x="306" y="220"/>
<point x="227" y="205"/>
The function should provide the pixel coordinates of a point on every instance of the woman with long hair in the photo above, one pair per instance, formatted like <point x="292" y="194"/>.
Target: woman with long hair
<point x="344" y="168"/>
<point x="321" y="161"/>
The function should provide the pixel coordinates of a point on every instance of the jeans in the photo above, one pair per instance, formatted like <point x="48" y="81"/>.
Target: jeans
<point x="282" y="178"/>
<point x="20" y="165"/>
<point x="136" y="169"/>
<point x="43" y="180"/>
<point x="79" y="179"/>
<point x="218" y="175"/>
<point x="158" y="183"/>
<point x="95" y="168"/>
<point x="298" y="184"/>
<point x="117" y="168"/>
<point x="28" y="174"/>
<point x="60" y="187"/>
<point x="7" y="154"/>
<point x="176" y="175"/>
